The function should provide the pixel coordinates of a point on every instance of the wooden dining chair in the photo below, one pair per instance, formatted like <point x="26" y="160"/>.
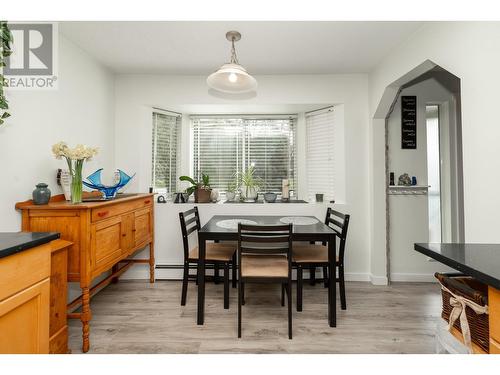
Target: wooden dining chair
<point x="265" y="256"/>
<point x="310" y="256"/>
<point x="216" y="254"/>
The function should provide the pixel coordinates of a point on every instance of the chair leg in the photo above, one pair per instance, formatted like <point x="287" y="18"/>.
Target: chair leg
<point x="234" y="276"/>
<point x="289" y="294"/>
<point x="325" y="276"/>
<point x="240" y="302"/>
<point x="282" y="294"/>
<point x="343" y="303"/>
<point x="216" y="273"/>
<point x="184" y="283"/>
<point x="312" y="276"/>
<point x="299" y="288"/>
<point x="226" y="285"/>
<point x="243" y="293"/>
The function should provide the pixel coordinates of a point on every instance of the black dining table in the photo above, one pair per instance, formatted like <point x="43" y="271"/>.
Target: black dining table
<point x="224" y="228"/>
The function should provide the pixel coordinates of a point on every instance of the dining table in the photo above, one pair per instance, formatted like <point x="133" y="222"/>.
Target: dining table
<point x="305" y="228"/>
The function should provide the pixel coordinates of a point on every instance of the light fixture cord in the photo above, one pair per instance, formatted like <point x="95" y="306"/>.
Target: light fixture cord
<point x="234" y="58"/>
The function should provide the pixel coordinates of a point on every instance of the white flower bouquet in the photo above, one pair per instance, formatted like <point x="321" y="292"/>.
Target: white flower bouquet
<point x="75" y="158"/>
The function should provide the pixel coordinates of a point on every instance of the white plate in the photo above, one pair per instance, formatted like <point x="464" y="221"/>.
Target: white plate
<point x="233" y="223"/>
<point x="299" y="220"/>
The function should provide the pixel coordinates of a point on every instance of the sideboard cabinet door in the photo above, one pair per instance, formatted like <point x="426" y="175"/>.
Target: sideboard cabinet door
<point x="108" y="243"/>
<point x="143" y="226"/>
<point x="24" y="321"/>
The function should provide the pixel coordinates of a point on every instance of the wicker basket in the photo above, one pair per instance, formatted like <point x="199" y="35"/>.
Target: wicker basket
<point x="474" y="291"/>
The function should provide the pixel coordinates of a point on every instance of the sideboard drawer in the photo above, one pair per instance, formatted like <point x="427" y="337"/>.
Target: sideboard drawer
<point x="106" y="212"/>
<point x="22" y="270"/>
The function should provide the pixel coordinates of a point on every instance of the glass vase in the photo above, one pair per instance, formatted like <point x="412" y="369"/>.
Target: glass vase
<point x="76" y="183"/>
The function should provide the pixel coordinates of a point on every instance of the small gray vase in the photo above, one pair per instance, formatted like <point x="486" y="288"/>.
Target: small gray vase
<point x="41" y="195"/>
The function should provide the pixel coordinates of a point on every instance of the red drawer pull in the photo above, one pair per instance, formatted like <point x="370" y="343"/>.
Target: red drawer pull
<point x="146" y="202"/>
<point x="103" y="213"/>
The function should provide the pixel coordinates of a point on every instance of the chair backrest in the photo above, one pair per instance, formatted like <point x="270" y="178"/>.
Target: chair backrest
<point x="339" y="222"/>
<point x="266" y="240"/>
<point x="190" y="222"/>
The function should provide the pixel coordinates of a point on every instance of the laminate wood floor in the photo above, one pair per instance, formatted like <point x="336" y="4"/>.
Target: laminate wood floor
<point x="138" y="317"/>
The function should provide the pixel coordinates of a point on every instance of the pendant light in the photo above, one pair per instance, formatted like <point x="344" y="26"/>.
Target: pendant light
<point x="231" y="77"/>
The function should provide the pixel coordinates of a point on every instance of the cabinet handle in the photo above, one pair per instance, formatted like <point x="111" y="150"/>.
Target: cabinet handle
<point x="124" y="234"/>
<point x="147" y="202"/>
<point x="134" y="230"/>
<point x="103" y="213"/>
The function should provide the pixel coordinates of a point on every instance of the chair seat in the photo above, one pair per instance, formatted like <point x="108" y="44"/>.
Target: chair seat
<point x="310" y="254"/>
<point x="222" y="252"/>
<point x="272" y="266"/>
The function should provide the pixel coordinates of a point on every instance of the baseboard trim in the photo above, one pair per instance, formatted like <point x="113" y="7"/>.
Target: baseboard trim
<point x="413" y="277"/>
<point x="378" y="280"/>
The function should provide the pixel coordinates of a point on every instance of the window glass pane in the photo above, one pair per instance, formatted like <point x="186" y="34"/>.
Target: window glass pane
<point x="320" y="156"/>
<point x="225" y="146"/>
<point x="217" y="150"/>
<point x="165" y="146"/>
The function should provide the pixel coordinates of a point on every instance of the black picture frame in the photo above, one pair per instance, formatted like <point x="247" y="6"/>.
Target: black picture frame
<point x="409" y="122"/>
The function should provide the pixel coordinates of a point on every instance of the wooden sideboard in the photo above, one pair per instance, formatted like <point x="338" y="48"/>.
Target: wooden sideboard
<point x="104" y="235"/>
<point x="24" y="301"/>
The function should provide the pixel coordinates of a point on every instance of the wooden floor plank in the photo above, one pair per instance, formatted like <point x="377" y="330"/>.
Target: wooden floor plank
<point x="138" y="317"/>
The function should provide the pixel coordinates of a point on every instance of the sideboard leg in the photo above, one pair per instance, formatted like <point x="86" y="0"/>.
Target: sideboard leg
<point x="151" y="263"/>
<point x="115" y="268"/>
<point x="85" y="318"/>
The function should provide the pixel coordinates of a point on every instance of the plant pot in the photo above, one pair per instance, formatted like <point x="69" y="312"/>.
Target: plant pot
<point x="230" y="195"/>
<point x="270" y="197"/>
<point x="202" y="195"/>
<point x="249" y="193"/>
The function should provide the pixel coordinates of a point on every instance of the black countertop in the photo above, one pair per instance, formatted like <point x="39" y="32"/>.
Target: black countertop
<point x="481" y="261"/>
<point x="15" y="242"/>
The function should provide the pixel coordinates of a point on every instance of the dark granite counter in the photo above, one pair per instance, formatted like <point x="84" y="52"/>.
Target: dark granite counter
<point x="481" y="261"/>
<point x="12" y="242"/>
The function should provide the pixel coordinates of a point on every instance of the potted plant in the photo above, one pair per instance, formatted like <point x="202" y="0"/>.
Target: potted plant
<point x="6" y="39"/>
<point x="250" y="184"/>
<point x="232" y="187"/>
<point x="201" y="189"/>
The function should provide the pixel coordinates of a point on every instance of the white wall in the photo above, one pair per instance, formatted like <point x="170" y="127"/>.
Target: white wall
<point x="409" y="222"/>
<point x="136" y="94"/>
<point x="470" y="51"/>
<point x="79" y="111"/>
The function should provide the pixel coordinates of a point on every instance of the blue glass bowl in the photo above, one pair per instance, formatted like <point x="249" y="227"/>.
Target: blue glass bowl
<point x="108" y="191"/>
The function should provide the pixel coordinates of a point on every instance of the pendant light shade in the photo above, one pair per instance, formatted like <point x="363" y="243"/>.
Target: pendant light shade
<point x="231" y="77"/>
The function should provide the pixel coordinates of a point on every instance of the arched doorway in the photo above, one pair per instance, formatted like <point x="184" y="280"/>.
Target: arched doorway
<point x="385" y="154"/>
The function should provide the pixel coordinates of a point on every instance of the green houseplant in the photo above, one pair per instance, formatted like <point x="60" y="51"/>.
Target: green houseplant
<point x="201" y="189"/>
<point x="232" y="188"/>
<point x="5" y="50"/>
<point x="250" y="184"/>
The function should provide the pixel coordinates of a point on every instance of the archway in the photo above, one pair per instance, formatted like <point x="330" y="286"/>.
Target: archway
<point x="381" y="219"/>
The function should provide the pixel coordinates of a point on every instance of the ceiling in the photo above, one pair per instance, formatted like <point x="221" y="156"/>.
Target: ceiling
<point x="192" y="48"/>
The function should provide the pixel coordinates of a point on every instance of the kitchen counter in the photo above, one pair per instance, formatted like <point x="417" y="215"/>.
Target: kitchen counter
<point x="15" y="242"/>
<point x="481" y="261"/>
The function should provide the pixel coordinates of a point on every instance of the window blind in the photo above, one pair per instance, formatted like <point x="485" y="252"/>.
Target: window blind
<point x="165" y="149"/>
<point x="320" y="161"/>
<point x="223" y="146"/>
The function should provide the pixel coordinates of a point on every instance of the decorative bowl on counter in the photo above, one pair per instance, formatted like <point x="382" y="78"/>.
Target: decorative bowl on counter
<point x="270" y="197"/>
